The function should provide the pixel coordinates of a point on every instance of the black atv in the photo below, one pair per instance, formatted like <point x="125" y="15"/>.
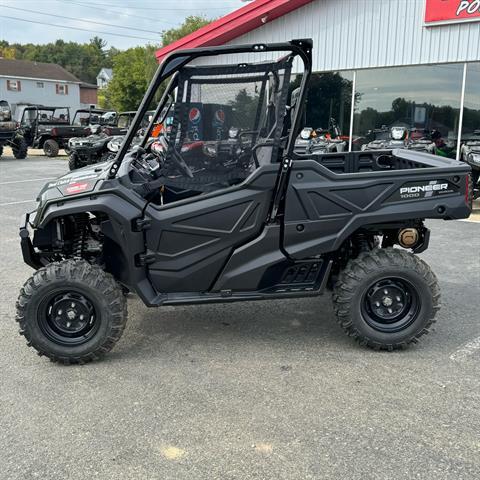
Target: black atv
<point x="10" y="133"/>
<point x="320" y="141"/>
<point x="287" y="226"/>
<point x="103" y="141"/>
<point x="89" y="150"/>
<point x="470" y="154"/>
<point x="387" y="138"/>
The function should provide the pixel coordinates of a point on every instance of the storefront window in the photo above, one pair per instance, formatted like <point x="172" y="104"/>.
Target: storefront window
<point x="418" y="99"/>
<point x="329" y="101"/>
<point x="471" y="112"/>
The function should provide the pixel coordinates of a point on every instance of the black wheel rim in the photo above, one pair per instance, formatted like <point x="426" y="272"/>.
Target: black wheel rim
<point x="68" y="318"/>
<point x="390" y="305"/>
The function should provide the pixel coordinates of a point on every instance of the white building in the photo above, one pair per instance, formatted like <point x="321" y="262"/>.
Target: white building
<point x="408" y="62"/>
<point x="104" y="77"/>
<point x="22" y="81"/>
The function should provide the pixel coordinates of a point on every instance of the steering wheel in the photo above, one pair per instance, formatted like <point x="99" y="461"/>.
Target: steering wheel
<point x="177" y="158"/>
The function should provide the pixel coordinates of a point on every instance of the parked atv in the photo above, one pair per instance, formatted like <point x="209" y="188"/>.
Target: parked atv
<point x="470" y="154"/>
<point x="321" y="141"/>
<point x="10" y="133"/>
<point x="387" y="138"/>
<point x="48" y="128"/>
<point x="104" y="141"/>
<point x="85" y="151"/>
<point x="289" y="227"/>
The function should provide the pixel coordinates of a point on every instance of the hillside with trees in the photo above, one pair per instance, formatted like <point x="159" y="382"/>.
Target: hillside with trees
<point x="132" y="69"/>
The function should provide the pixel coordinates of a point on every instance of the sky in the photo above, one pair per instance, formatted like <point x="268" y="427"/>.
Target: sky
<point x="142" y="19"/>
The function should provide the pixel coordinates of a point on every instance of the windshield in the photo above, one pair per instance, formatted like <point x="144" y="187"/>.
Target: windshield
<point x="92" y="117"/>
<point x="46" y="116"/>
<point x="124" y="119"/>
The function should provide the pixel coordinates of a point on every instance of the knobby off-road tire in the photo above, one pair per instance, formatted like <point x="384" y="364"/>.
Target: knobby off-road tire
<point x="73" y="161"/>
<point x="71" y="311"/>
<point x="51" y="148"/>
<point x="20" y="148"/>
<point x="386" y="298"/>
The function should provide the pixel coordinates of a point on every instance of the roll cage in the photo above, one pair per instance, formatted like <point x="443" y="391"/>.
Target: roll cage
<point x="176" y="67"/>
<point x="45" y="115"/>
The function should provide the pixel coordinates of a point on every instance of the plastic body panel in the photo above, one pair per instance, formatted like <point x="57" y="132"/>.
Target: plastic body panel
<point x="190" y="242"/>
<point x="322" y="209"/>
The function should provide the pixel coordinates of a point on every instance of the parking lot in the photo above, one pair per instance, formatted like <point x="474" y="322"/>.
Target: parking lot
<point x="262" y="390"/>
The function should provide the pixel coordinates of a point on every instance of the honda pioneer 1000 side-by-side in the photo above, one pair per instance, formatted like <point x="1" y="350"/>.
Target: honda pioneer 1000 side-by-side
<point x="258" y="222"/>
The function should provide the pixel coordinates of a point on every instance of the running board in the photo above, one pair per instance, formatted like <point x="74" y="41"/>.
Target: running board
<point x="226" y="296"/>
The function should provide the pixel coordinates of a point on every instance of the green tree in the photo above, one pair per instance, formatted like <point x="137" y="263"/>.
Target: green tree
<point x="190" y="25"/>
<point x="82" y="60"/>
<point x="134" y="68"/>
<point x="131" y="76"/>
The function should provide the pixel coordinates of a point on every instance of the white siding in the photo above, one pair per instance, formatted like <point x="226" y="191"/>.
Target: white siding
<point x="47" y="95"/>
<point x="351" y="34"/>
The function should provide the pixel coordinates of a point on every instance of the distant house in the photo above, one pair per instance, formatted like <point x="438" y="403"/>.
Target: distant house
<point x="22" y="81"/>
<point x="104" y="77"/>
<point x="88" y="94"/>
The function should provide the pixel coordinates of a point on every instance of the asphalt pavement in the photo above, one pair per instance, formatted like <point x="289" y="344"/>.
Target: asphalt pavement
<point x="263" y="390"/>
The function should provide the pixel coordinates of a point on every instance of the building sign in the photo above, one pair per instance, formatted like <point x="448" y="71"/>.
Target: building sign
<point x="451" y="11"/>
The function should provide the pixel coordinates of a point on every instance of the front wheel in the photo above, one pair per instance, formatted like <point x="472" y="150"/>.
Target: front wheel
<point x="51" y="148"/>
<point x="386" y="298"/>
<point x="71" y="311"/>
<point x="73" y="161"/>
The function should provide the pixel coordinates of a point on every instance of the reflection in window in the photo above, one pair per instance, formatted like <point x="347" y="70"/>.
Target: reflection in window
<point x="329" y="98"/>
<point x="471" y="112"/>
<point x="419" y="99"/>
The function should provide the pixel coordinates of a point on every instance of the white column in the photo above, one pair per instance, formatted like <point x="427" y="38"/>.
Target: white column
<point x="462" y="103"/>
<point x="354" y="84"/>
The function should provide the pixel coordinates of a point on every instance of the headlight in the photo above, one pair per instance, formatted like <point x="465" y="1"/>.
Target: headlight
<point x="306" y="133"/>
<point x="114" y="145"/>
<point x="210" y="149"/>
<point x="397" y="133"/>
<point x="233" y="132"/>
<point x="474" y="158"/>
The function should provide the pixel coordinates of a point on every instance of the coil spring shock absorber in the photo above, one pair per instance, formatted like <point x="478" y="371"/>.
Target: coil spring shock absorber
<point x="362" y="242"/>
<point x="79" y="235"/>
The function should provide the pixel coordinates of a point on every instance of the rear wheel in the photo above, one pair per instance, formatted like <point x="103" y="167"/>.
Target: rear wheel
<point x="386" y="298"/>
<point x="19" y="148"/>
<point x="51" y="148"/>
<point x="71" y="311"/>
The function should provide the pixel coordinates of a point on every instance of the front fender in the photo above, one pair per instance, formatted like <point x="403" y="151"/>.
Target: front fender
<point x="121" y="215"/>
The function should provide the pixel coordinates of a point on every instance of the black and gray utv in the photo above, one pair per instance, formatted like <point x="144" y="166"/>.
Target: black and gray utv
<point x="47" y="127"/>
<point x="264" y="223"/>
<point x="10" y="133"/>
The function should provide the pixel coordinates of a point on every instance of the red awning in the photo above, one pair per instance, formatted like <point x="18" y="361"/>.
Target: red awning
<point x="234" y="24"/>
